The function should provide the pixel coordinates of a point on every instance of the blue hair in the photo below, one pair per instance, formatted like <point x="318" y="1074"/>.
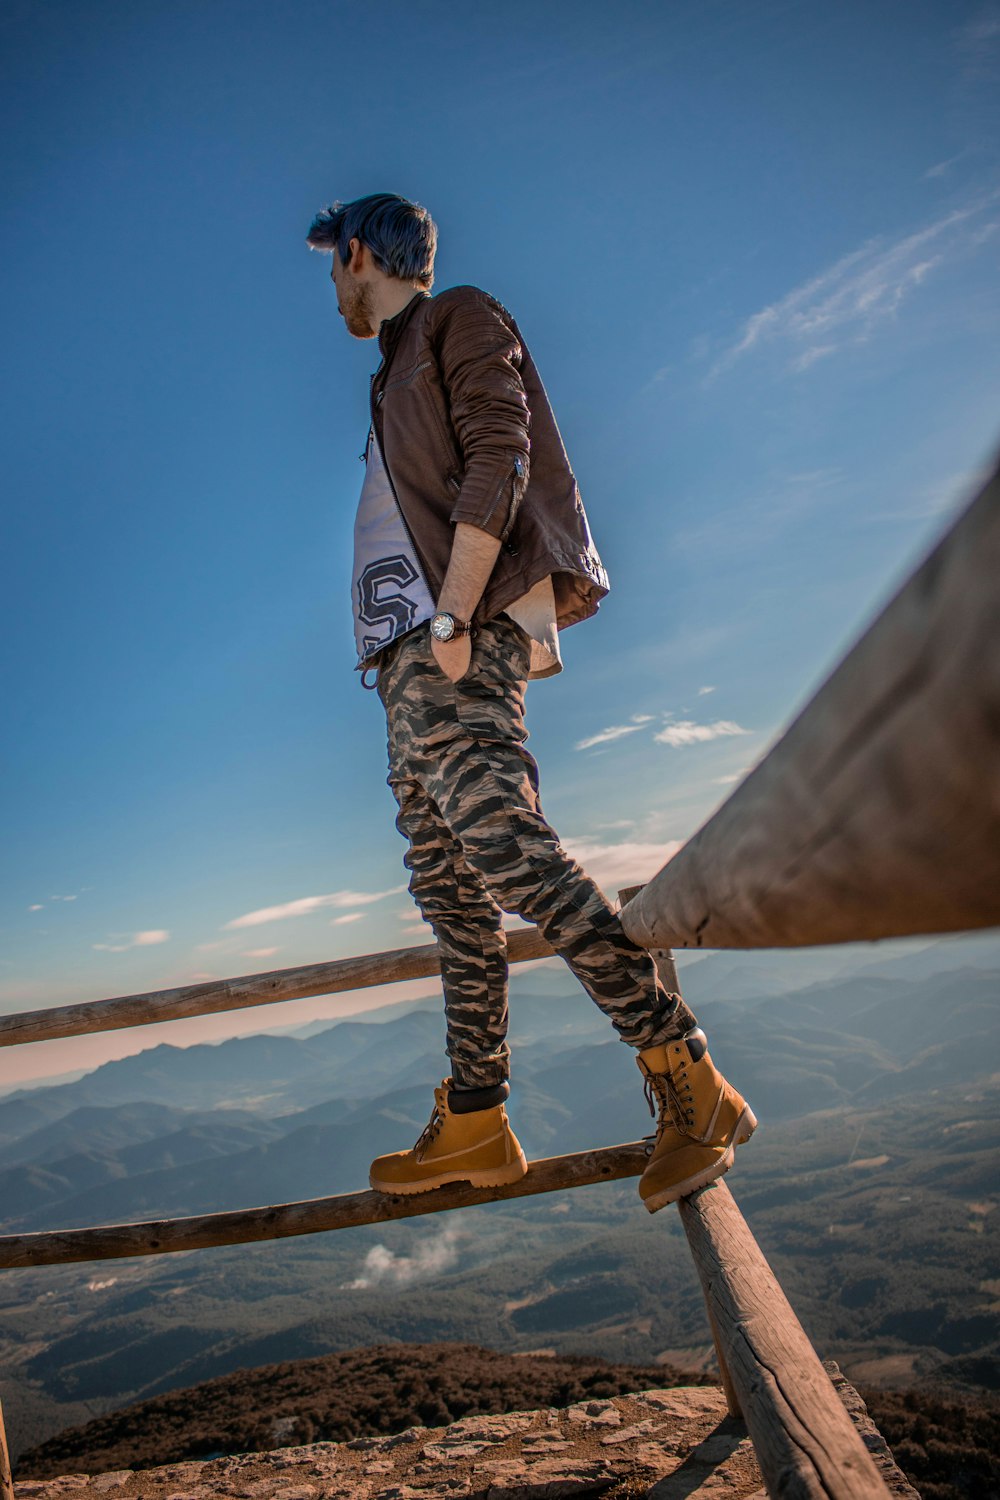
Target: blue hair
<point x="401" y="235"/>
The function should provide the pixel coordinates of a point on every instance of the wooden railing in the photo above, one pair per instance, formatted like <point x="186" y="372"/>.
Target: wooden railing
<point x="877" y="814"/>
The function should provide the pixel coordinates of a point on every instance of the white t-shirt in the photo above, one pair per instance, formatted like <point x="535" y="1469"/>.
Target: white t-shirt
<point x="390" y="593"/>
<point x="388" y="589"/>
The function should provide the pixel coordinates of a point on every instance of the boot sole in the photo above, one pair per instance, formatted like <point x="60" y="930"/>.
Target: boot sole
<point x="745" y="1127"/>
<point x="486" y="1178"/>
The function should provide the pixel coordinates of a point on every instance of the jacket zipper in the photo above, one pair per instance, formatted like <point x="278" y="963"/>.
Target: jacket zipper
<point x="517" y="467"/>
<point x="375" y="437"/>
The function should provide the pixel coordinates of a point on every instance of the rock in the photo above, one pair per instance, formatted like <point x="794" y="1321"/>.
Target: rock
<point x="595" y="1413"/>
<point x="188" y="1473"/>
<point x="629" y="1434"/>
<point x="444" y="1451"/>
<point x="411" y="1435"/>
<point x="547" y="1442"/>
<point x="112" y="1481"/>
<point x="659" y="1456"/>
<point x="688" y="1402"/>
<point x="549" y="1480"/>
<point x="449" y="1487"/>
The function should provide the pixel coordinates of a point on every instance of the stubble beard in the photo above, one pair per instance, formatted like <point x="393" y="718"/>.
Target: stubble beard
<point x="358" y="308"/>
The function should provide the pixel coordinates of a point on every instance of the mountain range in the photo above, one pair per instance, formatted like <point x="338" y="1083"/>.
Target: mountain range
<point x="873" y="1071"/>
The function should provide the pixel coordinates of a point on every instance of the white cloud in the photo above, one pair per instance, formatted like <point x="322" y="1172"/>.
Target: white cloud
<point x="260" y="952"/>
<point x="846" y="302"/>
<point x="812" y="356"/>
<point x="40" y="905"/>
<point x="616" y="866"/>
<point x="146" y="939"/>
<point x="942" y="168"/>
<point x="383" y="1267"/>
<point x="687" y="732"/>
<point x="305" y="905"/>
<point x="413" y="924"/>
<point x="615" y="732"/>
<point x="351" y="916"/>
<point x="704" y="691"/>
<point x="983" y="30"/>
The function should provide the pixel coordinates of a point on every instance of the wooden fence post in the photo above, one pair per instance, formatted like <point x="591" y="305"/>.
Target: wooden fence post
<point x="806" y="1444"/>
<point x="6" y="1481"/>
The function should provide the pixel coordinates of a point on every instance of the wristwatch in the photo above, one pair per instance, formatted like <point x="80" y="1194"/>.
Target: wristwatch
<point x="444" y="627"/>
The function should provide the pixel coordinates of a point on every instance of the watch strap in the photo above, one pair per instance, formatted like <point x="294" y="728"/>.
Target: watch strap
<point x="459" y="627"/>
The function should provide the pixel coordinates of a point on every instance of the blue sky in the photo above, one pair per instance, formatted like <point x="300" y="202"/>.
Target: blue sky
<point x="753" y="246"/>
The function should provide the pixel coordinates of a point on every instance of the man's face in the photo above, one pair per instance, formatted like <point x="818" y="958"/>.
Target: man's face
<point x="355" y="299"/>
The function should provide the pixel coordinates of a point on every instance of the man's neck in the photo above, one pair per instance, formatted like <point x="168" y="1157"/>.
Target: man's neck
<point x="390" y="298"/>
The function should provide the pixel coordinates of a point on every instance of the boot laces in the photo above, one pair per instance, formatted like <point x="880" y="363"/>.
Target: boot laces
<point x="672" y="1100"/>
<point x="433" y="1127"/>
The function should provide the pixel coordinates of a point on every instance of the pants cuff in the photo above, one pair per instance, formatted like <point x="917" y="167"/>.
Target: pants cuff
<point x="485" y="1075"/>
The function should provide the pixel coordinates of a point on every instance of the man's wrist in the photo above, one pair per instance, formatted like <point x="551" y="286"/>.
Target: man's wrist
<point x="447" y="625"/>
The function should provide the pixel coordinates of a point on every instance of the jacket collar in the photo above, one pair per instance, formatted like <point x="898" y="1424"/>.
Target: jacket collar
<point x="392" y="327"/>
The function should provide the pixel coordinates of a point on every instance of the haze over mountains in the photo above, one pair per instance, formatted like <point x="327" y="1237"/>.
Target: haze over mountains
<point x="871" y="1069"/>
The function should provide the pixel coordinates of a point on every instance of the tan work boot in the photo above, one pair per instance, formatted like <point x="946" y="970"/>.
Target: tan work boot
<point x="702" y="1120"/>
<point x="477" y="1147"/>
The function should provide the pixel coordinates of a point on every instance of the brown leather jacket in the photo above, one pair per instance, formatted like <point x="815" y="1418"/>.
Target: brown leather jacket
<point x="467" y="434"/>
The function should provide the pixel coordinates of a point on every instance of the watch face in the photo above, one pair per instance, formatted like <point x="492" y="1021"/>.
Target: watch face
<point x="442" y="627"/>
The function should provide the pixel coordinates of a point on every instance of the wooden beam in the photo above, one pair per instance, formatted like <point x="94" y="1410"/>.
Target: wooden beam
<point x="878" y="813"/>
<point x="6" y="1481"/>
<point x="314" y="1216"/>
<point x="251" y="989"/>
<point x="806" y="1444"/>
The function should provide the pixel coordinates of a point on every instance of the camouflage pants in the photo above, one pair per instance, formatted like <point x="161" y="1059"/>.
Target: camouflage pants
<point x="479" y="845"/>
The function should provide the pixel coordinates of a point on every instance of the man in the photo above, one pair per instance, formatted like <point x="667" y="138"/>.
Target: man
<point x="472" y="552"/>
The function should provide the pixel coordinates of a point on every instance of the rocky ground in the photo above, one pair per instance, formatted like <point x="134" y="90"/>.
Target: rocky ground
<point x="663" y="1445"/>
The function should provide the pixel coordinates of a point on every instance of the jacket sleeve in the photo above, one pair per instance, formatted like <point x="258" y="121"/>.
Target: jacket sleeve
<point x="479" y="354"/>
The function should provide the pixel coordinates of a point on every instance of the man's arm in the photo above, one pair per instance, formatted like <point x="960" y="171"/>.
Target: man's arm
<point x="480" y="359"/>
<point x="473" y="555"/>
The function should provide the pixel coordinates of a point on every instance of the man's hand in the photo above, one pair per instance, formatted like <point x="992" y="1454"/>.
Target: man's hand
<point x="473" y="554"/>
<point x="453" y="657"/>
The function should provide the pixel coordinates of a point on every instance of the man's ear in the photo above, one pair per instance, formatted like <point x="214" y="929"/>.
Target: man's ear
<point x="356" y="256"/>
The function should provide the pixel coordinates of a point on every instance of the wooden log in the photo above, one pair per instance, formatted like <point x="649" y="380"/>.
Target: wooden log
<point x="878" y="812"/>
<point x="6" y="1480"/>
<point x="806" y="1444"/>
<point x="314" y="1216"/>
<point x="250" y="989"/>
